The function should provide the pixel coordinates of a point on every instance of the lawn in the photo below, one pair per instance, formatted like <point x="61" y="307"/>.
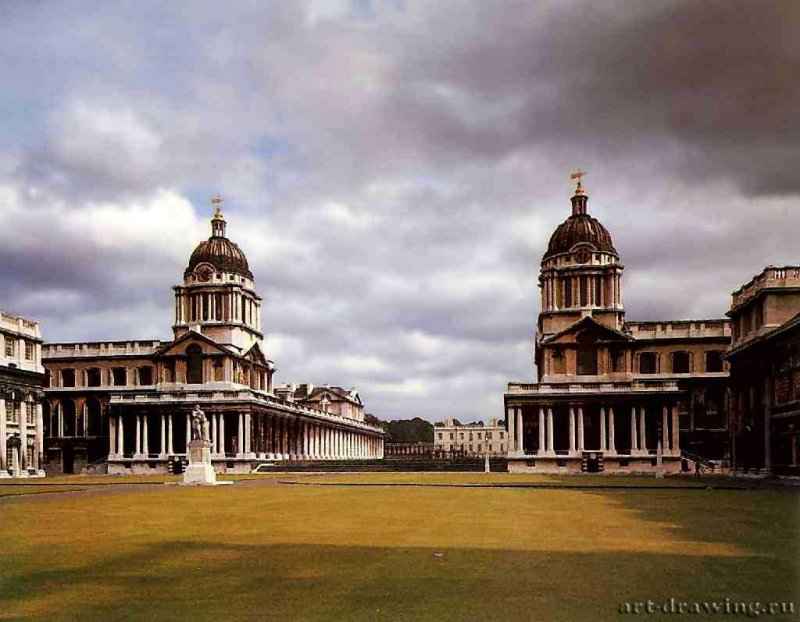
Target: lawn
<point x="262" y="549"/>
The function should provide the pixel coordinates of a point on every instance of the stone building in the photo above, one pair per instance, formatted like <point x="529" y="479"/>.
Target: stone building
<point x="21" y="379"/>
<point x="765" y="373"/>
<point x="342" y="402"/>
<point x="612" y="395"/>
<point x="472" y="439"/>
<point x="125" y="405"/>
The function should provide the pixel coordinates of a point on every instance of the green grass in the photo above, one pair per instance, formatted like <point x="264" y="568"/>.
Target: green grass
<point x="261" y="550"/>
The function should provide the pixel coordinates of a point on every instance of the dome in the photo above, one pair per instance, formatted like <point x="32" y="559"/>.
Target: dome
<point x="219" y="251"/>
<point x="579" y="228"/>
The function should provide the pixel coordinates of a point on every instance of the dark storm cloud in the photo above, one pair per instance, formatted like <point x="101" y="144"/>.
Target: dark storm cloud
<point x="393" y="170"/>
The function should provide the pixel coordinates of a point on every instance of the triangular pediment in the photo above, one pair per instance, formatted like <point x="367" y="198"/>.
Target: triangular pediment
<point x="587" y="329"/>
<point x="178" y="347"/>
<point x="255" y="355"/>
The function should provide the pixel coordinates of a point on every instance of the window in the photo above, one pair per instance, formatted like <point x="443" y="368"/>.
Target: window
<point x="587" y="356"/>
<point x="218" y="370"/>
<point x="28" y="351"/>
<point x="451" y="436"/>
<point x="488" y="436"/>
<point x="584" y="291"/>
<point x="67" y="377"/>
<point x="502" y="447"/>
<point x="713" y="361"/>
<point x="217" y="306"/>
<point x="568" y="292"/>
<point x="194" y="368"/>
<point x="559" y="362"/>
<point x="93" y="377"/>
<point x="480" y="447"/>
<point x="169" y="371"/>
<point x="441" y="436"/>
<point x="680" y="362"/>
<point x="470" y="436"/>
<point x="648" y="363"/>
<point x="119" y="376"/>
<point x="479" y="436"/>
<point x="146" y="375"/>
<point x="617" y="360"/>
<point x="9" y="347"/>
<point x="598" y="291"/>
<point x="502" y="435"/>
<point x="462" y="435"/>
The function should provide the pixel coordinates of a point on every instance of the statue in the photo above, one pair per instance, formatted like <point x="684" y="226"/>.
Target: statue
<point x="199" y="425"/>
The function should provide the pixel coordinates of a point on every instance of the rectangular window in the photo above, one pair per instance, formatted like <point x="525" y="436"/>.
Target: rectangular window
<point x="28" y="351"/>
<point x="146" y="375"/>
<point x="567" y="292"/>
<point x="205" y="307"/>
<point x="502" y="435"/>
<point x="680" y="362"/>
<point x="9" y="347"/>
<point x="714" y="361"/>
<point x="119" y="376"/>
<point x="647" y="363"/>
<point x="584" y="291"/>
<point x="67" y="377"/>
<point x="440" y="436"/>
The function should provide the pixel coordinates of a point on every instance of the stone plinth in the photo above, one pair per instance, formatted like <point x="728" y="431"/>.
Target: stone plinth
<point x="199" y="471"/>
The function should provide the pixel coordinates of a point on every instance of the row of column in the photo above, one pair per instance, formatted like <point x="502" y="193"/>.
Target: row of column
<point x="22" y="461"/>
<point x="226" y="306"/>
<point x="670" y="443"/>
<point x="554" y="289"/>
<point x="260" y="436"/>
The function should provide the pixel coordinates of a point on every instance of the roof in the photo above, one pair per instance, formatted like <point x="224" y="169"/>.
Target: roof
<point x="219" y="251"/>
<point x="579" y="228"/>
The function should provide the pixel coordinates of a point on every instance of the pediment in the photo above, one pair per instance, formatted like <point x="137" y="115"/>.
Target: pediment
<point x="178" y="347"/>
<point x="587" y="330"/>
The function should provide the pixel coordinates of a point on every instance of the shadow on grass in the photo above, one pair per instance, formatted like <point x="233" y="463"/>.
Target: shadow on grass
<point x="181" y="580"/>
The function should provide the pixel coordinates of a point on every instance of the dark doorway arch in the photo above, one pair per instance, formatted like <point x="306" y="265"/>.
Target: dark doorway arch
<point x="68" y="415"/>
<point x="94" y="417"/>
<point x="194" y="364"/>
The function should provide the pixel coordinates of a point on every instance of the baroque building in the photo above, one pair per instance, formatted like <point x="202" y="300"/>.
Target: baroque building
<point x="765" y="373"/>
<point x="612" y="395"/>
<point x="124" y="405"/>
<point x="21" y="379"/>
<point x="451" y="438"/>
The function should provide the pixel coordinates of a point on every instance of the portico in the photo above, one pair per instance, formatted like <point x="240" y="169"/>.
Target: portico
<point x="557" y="428"/>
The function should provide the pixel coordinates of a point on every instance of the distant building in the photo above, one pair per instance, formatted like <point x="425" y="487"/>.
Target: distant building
<point x="765" y="372"/>
<point x="611" y="392"/>
<point x="21" y="379"/>
<point x="124" y="405"/>
<point x="472" y="439"/>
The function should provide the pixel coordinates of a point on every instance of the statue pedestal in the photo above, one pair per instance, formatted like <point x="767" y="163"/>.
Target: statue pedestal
<point x="199" y="471"/>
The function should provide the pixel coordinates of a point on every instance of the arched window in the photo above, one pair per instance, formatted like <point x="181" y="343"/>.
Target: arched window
<point x="68" y="414"/>
<point x="94" y="423"/>
<point x="194" y="364"/>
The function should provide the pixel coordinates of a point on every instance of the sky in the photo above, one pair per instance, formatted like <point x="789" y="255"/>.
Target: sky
<point x="392" y="169"/>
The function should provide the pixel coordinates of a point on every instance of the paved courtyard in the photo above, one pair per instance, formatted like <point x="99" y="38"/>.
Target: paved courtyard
<point x="465" y="546"/>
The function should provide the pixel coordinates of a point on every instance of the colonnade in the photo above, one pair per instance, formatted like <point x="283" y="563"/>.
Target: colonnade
<point x="252" y="436"/>
<point x="27" y="424"/>
<point x="641" y="418"/>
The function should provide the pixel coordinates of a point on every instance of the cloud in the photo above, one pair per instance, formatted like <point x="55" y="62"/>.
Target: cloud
<point x="393" y="170"/>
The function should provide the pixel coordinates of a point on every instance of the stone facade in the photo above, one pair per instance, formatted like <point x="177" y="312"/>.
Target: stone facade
<point x="124" y="406"/>
<point x="21" y="378"/>
<point x="765" y="373"/>
<point x="612" y="395"/>
<point x="473" y="439"/>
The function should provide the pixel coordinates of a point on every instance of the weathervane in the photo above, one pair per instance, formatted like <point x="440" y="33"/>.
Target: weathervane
<point x="577" y="175"/>
<point x="216" y="201"/>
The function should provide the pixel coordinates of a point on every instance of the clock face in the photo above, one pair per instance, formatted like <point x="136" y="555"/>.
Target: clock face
<point x="204" y="273"/>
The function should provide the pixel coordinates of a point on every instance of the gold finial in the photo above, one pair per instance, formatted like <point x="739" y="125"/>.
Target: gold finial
<point x="577" y="174"/>
<point x="216" y="201"/>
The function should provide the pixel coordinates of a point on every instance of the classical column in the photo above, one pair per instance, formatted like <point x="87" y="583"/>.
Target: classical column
<point x="581" y="439"/>
<point x="170" y="444"/>
<point x="3" y="440"/>
<point x="550" y="433"/>
<point x="571" y="430"/>
<point x="221" y="430"/>
<point x="511" y="418"/>
<point x="188" y="431"/>
<point x="612" y="448"/>
<point x="602" y="428"/>
<point x="634" y="440"/>
<point x="38" y="442"/>
<point x="112" y="437"/>
<point x="163" y="448"/>
<point x="541" y="450"/>
<point x="23" y="435"/>
<point x="120" y="436"/>
<point x="214" y="435"/>
<point x="137" y="449"/>
<point x="248" y="441"/>
<point x="240" y="438"/>
<point x="285" y="438"/>
<point x="675" y="447"/>
<point x="642" y="429"/>
<point x="145" y="441"/>
<point x="665" y="429"/>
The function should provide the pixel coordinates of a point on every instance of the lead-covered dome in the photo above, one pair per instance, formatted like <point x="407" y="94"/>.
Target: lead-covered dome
<point x="219" y="251"/>
<point x="579" y="228"/>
